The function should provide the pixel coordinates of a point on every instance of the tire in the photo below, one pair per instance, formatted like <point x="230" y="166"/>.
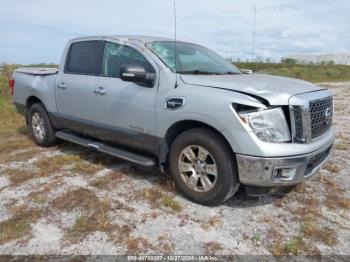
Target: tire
<point x="38" y="118"/>
<point x="226" y="181"/>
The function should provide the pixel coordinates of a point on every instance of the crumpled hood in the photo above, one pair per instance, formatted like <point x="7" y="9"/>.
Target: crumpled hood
<point x="275" y="89"/>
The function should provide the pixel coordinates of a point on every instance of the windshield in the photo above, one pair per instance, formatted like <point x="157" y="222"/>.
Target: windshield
<point x="191" y="58"/>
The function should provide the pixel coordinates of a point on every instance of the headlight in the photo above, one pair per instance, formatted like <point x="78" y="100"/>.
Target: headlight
<point x="269" y="125"/>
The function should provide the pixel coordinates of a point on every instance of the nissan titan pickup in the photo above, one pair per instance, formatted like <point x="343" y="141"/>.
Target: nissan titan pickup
<point x="182" y="107"/>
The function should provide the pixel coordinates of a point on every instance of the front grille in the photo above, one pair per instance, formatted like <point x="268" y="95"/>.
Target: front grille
<point x="321" y="113"/>
<point x="311" y="115"/>
<point x="316" y="161"/>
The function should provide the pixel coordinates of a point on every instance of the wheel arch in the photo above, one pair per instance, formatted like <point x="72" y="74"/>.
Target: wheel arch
<point x="181" y="126"/>
<point x="31" y="100"/>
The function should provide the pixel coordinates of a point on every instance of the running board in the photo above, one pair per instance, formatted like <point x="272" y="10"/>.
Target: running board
<point x="101" y="147"/>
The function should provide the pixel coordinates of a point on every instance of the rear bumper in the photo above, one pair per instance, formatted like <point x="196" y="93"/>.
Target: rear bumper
<point x="264" y="172"/>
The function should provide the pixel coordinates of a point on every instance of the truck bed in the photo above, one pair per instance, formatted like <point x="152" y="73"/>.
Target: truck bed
<point x="35" y="82"/>
<point x="37" y="70"/>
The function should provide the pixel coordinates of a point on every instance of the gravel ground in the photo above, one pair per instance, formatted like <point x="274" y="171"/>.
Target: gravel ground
<point x="68" y="200"/>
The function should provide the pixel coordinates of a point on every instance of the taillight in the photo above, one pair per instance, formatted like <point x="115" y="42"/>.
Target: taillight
<point x="11" y="85"/>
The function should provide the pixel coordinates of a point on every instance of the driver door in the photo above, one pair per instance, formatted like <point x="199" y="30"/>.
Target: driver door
<point x="124" y="111"/>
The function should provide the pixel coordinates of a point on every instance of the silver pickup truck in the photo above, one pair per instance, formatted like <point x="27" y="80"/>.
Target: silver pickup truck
<point x="178" y="105"/>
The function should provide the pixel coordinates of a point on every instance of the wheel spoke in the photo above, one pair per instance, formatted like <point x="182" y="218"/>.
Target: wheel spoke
<point x="206" y="183"/>
<point x="38" y="126"/>
<point x="211" y="169"/>
<point x="202" y="154"/>
<point x="197" y="168"/>
<point x="35" y="120"/>
<point x="193" y="181"/>
<point x="185" y="167"/>
<point x="189" y="154"/>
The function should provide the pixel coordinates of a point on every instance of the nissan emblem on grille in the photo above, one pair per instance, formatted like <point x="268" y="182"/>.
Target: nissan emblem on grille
<point x="328" y="115"/>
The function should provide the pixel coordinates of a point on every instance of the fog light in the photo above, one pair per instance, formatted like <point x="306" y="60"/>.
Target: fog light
<point x="284" y="173"/>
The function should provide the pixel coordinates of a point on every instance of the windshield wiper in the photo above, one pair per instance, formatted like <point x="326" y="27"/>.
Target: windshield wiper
<point x="198" y="72"/>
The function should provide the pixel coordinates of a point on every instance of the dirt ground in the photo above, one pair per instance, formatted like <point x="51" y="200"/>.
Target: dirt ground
<point x="69" y="200"/>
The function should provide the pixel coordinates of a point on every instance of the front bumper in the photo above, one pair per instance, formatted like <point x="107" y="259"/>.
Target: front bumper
<point x="262" y="171"/>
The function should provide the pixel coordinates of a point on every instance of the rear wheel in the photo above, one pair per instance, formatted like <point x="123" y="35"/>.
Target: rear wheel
<point x="40" y="126"/>
<point x="203" y="166"/>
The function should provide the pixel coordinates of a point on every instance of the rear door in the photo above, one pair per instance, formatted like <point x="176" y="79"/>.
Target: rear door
<point x="125" y="111"/>
<point x="75" y="85"/>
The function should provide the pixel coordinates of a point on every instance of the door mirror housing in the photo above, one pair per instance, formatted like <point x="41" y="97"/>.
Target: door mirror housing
<point x="137" y="74"/>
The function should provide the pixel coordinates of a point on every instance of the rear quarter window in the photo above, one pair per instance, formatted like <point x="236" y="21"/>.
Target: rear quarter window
<point x="85" y="58"/>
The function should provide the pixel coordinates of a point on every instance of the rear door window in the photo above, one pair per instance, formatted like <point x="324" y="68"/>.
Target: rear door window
<point x="85" y="58"/>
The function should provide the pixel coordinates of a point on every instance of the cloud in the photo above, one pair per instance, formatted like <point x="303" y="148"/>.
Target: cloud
<point x="37" y="30"/>
<point x="309" y="45"/>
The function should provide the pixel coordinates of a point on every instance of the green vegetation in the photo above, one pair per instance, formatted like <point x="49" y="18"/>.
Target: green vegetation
<point x="172" y="203"/>
<point x="10" y="121"/>
<point x="311" y="72"/>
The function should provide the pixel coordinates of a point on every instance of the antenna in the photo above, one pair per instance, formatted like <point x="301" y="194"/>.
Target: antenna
<point x="175" y="32"/>
<point x="254" y="28"/>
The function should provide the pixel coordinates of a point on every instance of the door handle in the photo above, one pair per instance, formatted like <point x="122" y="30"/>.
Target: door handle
<point x="62" y="86"/>
<point x="99" y="91"/>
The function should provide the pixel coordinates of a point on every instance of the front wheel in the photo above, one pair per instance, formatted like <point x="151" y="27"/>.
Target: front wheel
<point x="40" y="126"/>
<point x="203" y="166"/>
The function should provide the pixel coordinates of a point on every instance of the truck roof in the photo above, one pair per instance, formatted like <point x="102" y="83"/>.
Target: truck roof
<point x="139" y="38"/>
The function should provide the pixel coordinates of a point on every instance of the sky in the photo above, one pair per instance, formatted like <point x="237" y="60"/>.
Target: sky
<point x="35" y="31"/>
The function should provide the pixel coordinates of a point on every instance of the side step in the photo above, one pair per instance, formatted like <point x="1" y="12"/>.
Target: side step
<point x="101" y="147"/>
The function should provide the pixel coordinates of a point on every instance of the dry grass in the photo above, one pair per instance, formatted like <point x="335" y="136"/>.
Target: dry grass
<point x="19" y="157"/>
<point x="45" y="167"/>
<point x="91" y="221"/>
<point x="212" y="248"/>
<point x="157" y="198"/>
<point x="333" y="168"/>
<point x="334" y="200"/>
<point x="18" y="226"/>
<point x="138" y="245"/>
<point x="19" y="176"/>
<point x="308" y="212"/>
<point x="39" y="197"/>
<point x="100" y="182"/>
<point x="165" y="246"/>
<point x="86" y="168"/>
<point x="277" y="248"/>
<point x="312" y="230"/>
<point x="50" y="165"/>
<point x="112" y="179"/>
<point x="153" y="195"/>
<point x="341" y="146"/>
<point x="43" y="195"/>
<point x="295" y="246"/>
<point x="214" y="222"/>
<point x="15" y="144"/>
<point x="82" y="198"/>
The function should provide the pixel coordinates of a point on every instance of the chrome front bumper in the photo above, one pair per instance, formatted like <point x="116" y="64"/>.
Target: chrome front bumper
<point x="261" y="172"/>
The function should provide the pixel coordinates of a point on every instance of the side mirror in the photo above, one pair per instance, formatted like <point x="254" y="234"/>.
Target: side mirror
<point x="136" y="74"/>
<point x="246" y="71"/>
